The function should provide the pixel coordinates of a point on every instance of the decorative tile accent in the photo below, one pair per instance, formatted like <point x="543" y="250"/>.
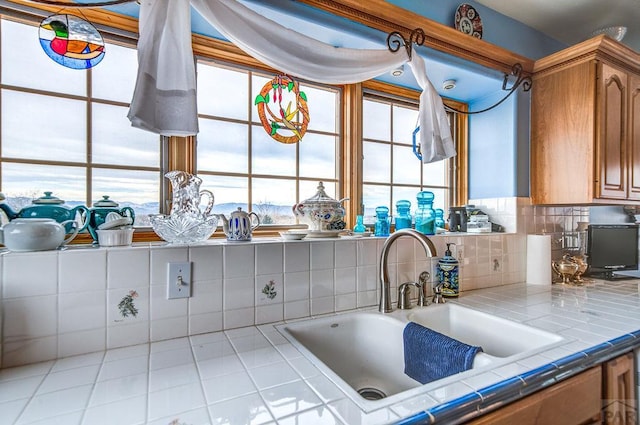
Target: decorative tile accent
<point x="270" y="290"/>
<point x="126" y="306"/>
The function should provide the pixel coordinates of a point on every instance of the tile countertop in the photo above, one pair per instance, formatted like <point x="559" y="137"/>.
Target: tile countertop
<point x="253" y="375"/>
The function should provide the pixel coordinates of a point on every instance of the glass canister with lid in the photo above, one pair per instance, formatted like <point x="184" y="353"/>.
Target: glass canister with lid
<point x="403" y="214"/>
<point x="425" y="214"/>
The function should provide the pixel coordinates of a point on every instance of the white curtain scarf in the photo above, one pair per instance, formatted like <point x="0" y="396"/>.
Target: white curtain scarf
<point x="164" y="99"/>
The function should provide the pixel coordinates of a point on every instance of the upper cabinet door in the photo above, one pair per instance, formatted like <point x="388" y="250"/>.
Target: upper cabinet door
<point x="612" y="143"/>
<point x="634" y="137"/>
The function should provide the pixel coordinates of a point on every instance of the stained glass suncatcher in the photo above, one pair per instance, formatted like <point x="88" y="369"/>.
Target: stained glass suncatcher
<point x="71" y="41"/>
<point x="283" y="110"/>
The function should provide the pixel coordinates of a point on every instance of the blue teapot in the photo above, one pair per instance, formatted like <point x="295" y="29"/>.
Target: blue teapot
<point x="49" y="206"/>
<point x="98" y="214"/>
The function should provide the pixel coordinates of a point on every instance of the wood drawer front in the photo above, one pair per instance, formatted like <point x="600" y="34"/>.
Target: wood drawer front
<point x="576" y="400"/>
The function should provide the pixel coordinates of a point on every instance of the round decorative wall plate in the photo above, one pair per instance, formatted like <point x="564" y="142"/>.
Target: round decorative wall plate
<point x="468" y="20"/>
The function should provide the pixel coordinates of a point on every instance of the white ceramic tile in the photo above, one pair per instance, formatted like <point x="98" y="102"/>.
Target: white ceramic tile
<point x="238" y="293"/>
<point x="296" y="257"/>
<point x="30" y="370"/>
<point x="296" y="309"/>
<point x="349" y="413"/>
<point x="260" y="357"/>
<point x="273" y="374"/>
<point x="366" y="278"/>
<point x="322" y="255"/>
<point x="127" y="268"/>
<point x="128" y="334"/>
<point x="269" y="314"/>
<point x="17" y="389"/>
<point x="82" y="270"/>
<point x="193" y="417"/>
<point x="22" y="274"/>
<point x="345" y="254"/>
<point x="126" y="352"/>
<point x="228" y="386"/>
<point x="346" y="302"/>
<point x="405" y="251"/>
<point x="170" y="358"/>
<point x="124" y="367"/>
<point x="239" y="261"/>
<point x="304" y="367"/>
<point x="325" y="388"/>
<point x="290" y="398"/>
<point x="159" y="260"/>
<point x="248" y="410"/>
<point x="78" y="343"/>
<point x="288" y="351"/>
<point x="55" y="403"/>
<point x="73" y="418"/>
<point x="322" y="305"/>
<point x="78" y="361"/>
<point x="206" y="297"/>
<point x="238" y="318"/>
<point x="317" y="416"/>
<point x="173" y="376"/>
<point x="11" y="410"/>
<point x="170" y="345"/>
<point x="366" y="299"/>
<point x="345" y="280"/>
<point x="207" y="262"/>
<point x="163" y="308"/>
<point x="212" y="350"/>
<point x="130" y="411"/>
<point x="79" y="311"/>
<point x="118" y="311"/>
<point x="174" y="327"/>
<point x="175" y="400"/>
<point x="207" y="322"/>
<point x="367" y="253"/>
<point x="269" y="259"/>
<point x="322" y="283"/>
<point x="212" y="368"/>
<point x="69" y="378"/>
<point x="296" y="286"/>
<point x="113" y="390"/>
<point x="29" y="317"/>
<point x="269" y="289"/>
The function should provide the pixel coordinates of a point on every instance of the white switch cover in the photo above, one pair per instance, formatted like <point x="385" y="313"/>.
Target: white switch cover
<point x="178" y="280"/>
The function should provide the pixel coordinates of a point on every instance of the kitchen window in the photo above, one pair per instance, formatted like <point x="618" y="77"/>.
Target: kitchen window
<point x="66" y="131"/>
<point x="239" y="161"/>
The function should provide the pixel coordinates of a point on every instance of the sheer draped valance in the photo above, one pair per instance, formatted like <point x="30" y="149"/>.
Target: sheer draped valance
<point x="164" y="99"/>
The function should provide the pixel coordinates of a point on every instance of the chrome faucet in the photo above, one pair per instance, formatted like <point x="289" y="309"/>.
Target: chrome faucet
<point x="385" y="285"/>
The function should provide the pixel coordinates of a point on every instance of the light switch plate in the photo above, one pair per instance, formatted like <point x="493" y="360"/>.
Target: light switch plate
<point x="178" y="280"/>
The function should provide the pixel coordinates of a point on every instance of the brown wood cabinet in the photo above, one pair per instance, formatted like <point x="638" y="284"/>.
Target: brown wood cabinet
<point x="603" y="394"/>
<point x="585" y="125"/>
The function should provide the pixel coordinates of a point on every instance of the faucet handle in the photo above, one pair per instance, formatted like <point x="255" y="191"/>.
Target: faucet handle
<point x="437" y="294"/>
<point x="404" y="295"/>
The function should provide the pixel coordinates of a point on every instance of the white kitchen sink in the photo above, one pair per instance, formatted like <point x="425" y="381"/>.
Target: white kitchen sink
<point x="362" y="352"/>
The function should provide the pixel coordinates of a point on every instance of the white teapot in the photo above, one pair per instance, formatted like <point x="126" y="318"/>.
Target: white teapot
<point x="36" y="234"/>
<point x="239" y="225"/>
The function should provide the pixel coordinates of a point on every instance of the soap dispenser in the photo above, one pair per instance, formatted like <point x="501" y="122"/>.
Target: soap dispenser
<point x="447" y="270"/>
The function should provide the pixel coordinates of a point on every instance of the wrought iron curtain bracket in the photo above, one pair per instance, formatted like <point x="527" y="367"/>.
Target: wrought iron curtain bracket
<point x="524" y="81"/>
<point x="395" y="40"/>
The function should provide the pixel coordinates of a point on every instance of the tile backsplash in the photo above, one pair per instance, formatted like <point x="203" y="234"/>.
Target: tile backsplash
<point x="83" y="299"/>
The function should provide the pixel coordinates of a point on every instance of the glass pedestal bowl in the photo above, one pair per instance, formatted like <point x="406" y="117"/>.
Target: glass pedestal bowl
<point x="183" y="228"/>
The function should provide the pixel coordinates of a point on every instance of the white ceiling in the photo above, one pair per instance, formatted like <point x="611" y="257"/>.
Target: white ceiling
<point x="572" y="21"/>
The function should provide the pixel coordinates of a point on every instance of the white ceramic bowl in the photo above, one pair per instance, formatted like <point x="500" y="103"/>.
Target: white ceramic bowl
<point x="115" y="237"/>
<point x="293" y="236"/>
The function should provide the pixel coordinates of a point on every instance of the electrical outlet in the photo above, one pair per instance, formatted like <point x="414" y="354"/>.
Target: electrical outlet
<point x="459" y="253"/>
<point x="178" y="280"/>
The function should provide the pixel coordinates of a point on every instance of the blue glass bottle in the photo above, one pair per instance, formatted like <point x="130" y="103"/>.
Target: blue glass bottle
<point x="359" y="227"/>
<point x="425" y="214"/>
<point x="439" y="218"/>
<point x="403" y="216"/>
<point x="382" y="221"/>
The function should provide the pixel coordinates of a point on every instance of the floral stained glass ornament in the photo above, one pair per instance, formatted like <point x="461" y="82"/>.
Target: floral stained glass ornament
<point x="71" y="41"/>
<point x="283" y="109"/>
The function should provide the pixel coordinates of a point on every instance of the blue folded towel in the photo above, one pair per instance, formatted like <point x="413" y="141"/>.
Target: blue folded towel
<point x="430" y="355"/>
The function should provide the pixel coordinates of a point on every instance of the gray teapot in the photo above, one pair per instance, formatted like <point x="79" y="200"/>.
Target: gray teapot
<point x="240" y="224"/>
<point x="48" y="206"/>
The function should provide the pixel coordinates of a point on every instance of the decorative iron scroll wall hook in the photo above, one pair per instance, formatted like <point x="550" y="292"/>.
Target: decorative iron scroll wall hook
<point x="524" y="81"/>
<point x="395" y="40"/>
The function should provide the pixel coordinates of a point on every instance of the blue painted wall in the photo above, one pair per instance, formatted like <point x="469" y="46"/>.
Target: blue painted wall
<point x="498" y="29"/>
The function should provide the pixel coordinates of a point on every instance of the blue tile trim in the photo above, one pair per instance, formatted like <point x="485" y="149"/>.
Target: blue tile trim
<point x="455" y="409"/>
<point x="421" y="418"/>
<point x="539" y="376"/>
